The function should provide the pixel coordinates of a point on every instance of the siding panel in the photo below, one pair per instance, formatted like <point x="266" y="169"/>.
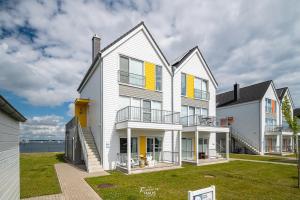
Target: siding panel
<point x="9" y="158"/>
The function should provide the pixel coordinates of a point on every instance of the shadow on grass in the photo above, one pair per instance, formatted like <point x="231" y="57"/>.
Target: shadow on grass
<point x="60" y="157"/>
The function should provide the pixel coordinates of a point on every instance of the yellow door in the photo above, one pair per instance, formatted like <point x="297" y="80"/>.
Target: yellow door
<point x="81" y="113"/>
<point x="143" y="146"/>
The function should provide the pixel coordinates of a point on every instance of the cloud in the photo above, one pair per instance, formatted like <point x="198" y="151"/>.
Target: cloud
<point x="46" y="45"/>
<point x="71" y="110"/>
<point x="43" y="127"/>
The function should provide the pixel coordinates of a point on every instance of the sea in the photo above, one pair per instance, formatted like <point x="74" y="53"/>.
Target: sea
<point x="32" y="146"/>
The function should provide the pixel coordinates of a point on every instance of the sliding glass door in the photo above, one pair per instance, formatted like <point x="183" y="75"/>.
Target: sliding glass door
<point x="203" y="148"/>
<point x="154" y="147"/>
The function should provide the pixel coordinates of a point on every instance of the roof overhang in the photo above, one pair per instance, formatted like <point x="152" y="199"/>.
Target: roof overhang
<point x="208" y="129"/>
<point x="82" y="101"/>
<point x="6" y="107"/>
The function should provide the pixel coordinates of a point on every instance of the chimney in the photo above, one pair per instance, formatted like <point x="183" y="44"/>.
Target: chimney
<point x="95" y="46"/>
<point x="236" y="91"/>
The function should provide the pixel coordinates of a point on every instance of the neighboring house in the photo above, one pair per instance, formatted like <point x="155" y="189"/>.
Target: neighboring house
<point x="297" y="114"/>
<point x="126" y="110"/>
<point x="9" y="150"/>
<point x="256" y="118"/>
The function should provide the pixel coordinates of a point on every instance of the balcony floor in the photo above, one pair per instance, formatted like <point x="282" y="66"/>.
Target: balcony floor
<point x="161" y="166"/>
<point x="208" y="161"/>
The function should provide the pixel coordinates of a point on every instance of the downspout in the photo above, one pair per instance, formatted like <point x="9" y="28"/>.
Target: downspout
<point x="101" y="109"/>
<point x="260" y="127"/>
<point x="172" y="107"/>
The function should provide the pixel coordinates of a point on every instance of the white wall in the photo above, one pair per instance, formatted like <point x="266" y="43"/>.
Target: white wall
<point x="195" y="67"/>
<point x="139" y="47"/>
<point x="92" y="91"/>
<point x="9" y="158"/>
<point x="246" y="119"/>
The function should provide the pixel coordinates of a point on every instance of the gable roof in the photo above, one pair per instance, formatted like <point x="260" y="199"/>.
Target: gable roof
<point x="6" y="107"/>
<point x="247" y="94"/>
<point x="297" y="112"/>
<point x="186" y="55"/>
<point x="102" y="51"/>
<point x="280" y="92"/>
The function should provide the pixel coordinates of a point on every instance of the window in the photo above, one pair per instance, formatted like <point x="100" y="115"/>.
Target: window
<point x="204" y="112"/>
<point x="270" y="122"/>
<point x="136" y="73"/>
<point x="156" y="112"/>
<point x="124" y="70"/>
<point x="146" y="111"/>
<point x="197" y="87"/>
<point x="268" y="105"/>
<point x="183" y="84"/>
<point x="158" y="75"/>
<point x="124" y="102"/>
<point x="131" y="71"/>
<point x="204" y="90"/>
<point x="123" y="145"/>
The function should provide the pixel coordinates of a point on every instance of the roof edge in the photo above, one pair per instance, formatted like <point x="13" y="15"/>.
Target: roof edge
<point x="10" y="110"/>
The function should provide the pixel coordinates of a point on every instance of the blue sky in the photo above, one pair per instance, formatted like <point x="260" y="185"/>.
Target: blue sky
<point x="45" y="46"/>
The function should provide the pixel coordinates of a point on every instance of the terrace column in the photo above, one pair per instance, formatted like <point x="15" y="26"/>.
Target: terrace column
<point x="179" y="148"/>
<point x="227" y="146"/>
<point x="128" y="150"/>
<point x="280" y="140"/>
<point x="197" y="146"/>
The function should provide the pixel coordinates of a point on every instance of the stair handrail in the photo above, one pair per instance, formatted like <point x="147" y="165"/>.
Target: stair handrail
<point x="95" y="143"/>
<point x="254" y="145"/>
<point x="83" y="145"/>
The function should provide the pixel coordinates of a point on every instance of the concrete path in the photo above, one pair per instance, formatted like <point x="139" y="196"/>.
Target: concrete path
<point x="72" y="184"/>
<point x="262" y="161"/>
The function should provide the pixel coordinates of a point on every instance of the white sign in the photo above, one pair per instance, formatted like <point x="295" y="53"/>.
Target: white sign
<point x="203" y="194"/>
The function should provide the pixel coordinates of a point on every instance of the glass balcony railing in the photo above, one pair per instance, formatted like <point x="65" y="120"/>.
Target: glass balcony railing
<point x="200" y="94"/>
<point x="199" y="120"/>
<point x="139" y="114"/>
<point x="131" y="79"/>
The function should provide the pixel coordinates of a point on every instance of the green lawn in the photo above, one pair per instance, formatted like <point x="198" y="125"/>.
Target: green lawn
<point x="233" y="180"/>
<point x="38" y="176"/>
<point x="264" y="158"/>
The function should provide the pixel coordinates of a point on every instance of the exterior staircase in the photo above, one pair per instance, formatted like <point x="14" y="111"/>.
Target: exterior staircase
<point x="89" y="150"/>
<point x="250" y="145"/>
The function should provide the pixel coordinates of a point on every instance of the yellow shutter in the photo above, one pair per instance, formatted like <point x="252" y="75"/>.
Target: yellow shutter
<point x="150" y="76"/>
<point x="190" y="86"/>
<point x="143" y="145"/>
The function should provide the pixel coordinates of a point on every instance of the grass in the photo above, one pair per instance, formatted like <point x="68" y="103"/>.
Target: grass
<point x="233" y="180"/>
<point x="38" y="176"/>
<point x="282" y="159"/>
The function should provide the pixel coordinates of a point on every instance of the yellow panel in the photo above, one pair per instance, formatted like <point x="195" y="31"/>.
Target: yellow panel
<point x="81" y="113"/>
<point x="150" y="76"/>
<point x="143" y="145"/>
<point x="190" y="86"/>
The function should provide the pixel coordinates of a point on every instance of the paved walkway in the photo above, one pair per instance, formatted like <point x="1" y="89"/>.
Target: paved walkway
<point x="262" y="161"/>
<point x="72" y="183"/>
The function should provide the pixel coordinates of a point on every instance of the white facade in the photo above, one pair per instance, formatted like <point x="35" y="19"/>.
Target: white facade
<point x="109" y="97"/>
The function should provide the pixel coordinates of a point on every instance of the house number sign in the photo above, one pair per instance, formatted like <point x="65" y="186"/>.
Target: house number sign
<point x="203" y="194"/>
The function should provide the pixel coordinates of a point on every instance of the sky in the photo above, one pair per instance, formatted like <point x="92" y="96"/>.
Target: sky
<point x="45" y="46"/>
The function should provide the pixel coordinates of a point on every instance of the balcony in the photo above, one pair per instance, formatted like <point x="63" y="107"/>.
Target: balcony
<point x="146" y="115"/>
<point x="131" y="79"/>
<point x="199" y="120"/>
<point x="201" y="94"/>
<point x="273" y="129"/>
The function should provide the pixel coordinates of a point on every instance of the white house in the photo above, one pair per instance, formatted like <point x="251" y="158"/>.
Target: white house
<point x="127" y="97"/>
<point x="256" y="118"/>
<point x="9" y="150"/>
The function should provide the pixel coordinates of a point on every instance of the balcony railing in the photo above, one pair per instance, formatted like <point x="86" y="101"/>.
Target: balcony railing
<point x="201" y="94"/>
<point x="199" y="120"/>
<point x="139" y="114"/>
<point x="271" y="129"/>
<point x="157" y="157"/>
<point x="131" y="79"/>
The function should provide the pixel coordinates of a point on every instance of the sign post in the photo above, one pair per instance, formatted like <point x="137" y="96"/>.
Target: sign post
<point x="203" y="194"/>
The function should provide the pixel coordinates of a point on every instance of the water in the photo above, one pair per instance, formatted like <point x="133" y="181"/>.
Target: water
<point x="42" y="146"/>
